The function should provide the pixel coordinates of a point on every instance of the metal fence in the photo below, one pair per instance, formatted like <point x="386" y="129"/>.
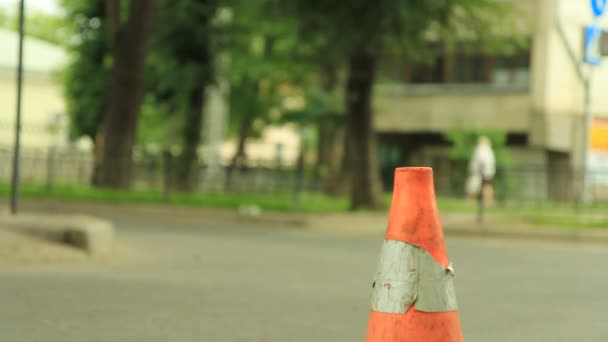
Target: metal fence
<point x="536" y="184"/>
<point x="53" y="168"/>
<point x="521" y="184"/>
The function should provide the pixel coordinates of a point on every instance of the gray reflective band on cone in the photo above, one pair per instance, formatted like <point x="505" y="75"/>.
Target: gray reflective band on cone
<point x="407" y="275"/>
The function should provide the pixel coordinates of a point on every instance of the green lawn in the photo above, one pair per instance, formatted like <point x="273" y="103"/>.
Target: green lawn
<point x="568" y="221"/>
<point x="309" y="202"/>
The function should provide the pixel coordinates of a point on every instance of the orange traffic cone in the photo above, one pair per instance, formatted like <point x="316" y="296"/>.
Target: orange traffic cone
<point x="413" y="297"/>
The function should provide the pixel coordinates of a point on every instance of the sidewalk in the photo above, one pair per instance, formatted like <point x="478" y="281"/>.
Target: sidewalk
<point x="359" y="223"/>
<point x="499" y="226"/>
<point x="460" y="224"/>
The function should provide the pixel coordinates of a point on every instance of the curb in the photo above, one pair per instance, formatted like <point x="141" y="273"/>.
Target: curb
<point x="301" y="222"/>
<point x="93" y="235"/>
<point x="571" y="236"/>
<point x="170" y="212"/>
<point x="357" y="223"/>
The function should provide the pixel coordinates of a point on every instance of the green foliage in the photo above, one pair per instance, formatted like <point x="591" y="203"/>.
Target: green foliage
<point x="181" y="47"/>
<point x="405" y="28"/>
<point x="41" y="25"/>
<point x="4" y="17"/>
<point x="320" y="108"/>
<point x="47" y="27"/>
<point x="179" y="58"/>
<point x="87" y="75"/>
<point x="463" y="144"/>
<point x="266" y="62"/>
<point x="157" y="128"/>
<point x="180" y="66"/>
<point x="486" y="25"/>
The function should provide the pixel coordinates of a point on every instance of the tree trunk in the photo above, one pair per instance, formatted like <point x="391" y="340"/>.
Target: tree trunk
<point x="326" y="126"/>
<point x="188" y="160"/>
<point x="337" y="181"/>
<point x="330" y="134"/>
<point x="366" y="186"/>
<point x="325" y="137"/>
<point x="167" y="162"/>
<point x="97" y="159"/>
<point x="130" y="41"/>
<point x="299" y="176"/>
<point x="239" y="156"/>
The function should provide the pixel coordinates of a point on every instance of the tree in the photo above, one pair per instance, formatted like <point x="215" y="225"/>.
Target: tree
<point x="180" y="69"/>
<point x="323" y="115"/>
<point x="83" y="33"/>
<point x="264" y="59"/>
<point x="366" y="30"/>
<point x="86" y="75"/>
<point x="129" y="37"/>
<point x="324" y="94"/>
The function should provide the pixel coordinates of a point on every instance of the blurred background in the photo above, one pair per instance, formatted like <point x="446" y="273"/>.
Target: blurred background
<point x="297" y="109"/>
<point x="227" y="98"/>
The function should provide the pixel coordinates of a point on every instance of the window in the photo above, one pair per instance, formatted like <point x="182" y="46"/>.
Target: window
<point x="512" y="70"/>
<point x="462" y="68"/>
<point x="426" y="73"/>
<point x="478" y="69"/>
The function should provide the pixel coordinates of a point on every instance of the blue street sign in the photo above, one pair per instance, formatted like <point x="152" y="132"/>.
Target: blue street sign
<point x="598" y="7"/>
<point x="593" y="44"/>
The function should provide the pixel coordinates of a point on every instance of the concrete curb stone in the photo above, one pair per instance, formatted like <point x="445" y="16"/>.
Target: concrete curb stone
<point x="91" y="234"/>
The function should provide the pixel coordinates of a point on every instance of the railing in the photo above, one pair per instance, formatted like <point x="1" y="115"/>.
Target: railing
<point x="69" y="168"/>
<point x="538" y="184"/>
<point x="520" y="185"/>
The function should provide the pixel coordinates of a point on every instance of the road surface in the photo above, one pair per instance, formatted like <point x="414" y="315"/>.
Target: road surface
<point x="176" y="280"/>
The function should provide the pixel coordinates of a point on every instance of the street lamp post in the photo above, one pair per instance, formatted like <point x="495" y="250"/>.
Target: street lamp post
<point x="17" y="150"/>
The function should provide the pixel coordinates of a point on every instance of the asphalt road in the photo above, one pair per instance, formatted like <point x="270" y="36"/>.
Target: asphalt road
<point x="184" y="281"/>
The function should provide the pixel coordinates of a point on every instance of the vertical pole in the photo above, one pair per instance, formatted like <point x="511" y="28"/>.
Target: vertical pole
<point x="299" y="175"/>
<point x="586" y="79"/>
<point x="17" y="151"/>
<point x="167" y="174"/>
<point x="50" y="168"/>
<point x="480" y="200"/>
<point x="585" y="140"/>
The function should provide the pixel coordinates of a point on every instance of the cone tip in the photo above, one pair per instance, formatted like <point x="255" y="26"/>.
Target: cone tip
<point x="414" y="169"/>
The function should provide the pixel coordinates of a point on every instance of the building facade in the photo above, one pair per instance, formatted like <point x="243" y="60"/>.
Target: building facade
<point x="534" y="95"/>
<point x="44" y="119"/>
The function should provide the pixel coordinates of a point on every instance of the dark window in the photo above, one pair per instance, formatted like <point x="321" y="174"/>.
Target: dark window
<point x="517" y="139"/>
<point x="437" y="73"/>
<point x="428" y="73"/>
<point x="461" y="67"/>
<point x="478" y="69"/>
<point x="470" y="69"/>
